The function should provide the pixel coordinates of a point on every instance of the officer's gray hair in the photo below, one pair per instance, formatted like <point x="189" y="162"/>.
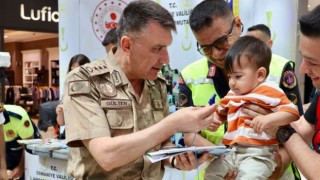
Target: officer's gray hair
<point x="138" y="14"/>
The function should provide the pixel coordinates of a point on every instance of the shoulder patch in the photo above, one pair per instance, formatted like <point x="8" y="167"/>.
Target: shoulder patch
<point x="183" y="99"/>
<point x="94" y="69"/>
<point x="289" y="80"/>
<point x="107" y="88"/>
<point x="10" y="133"/>
<point x="26" y="124"/>
<point x="212" y="71"/>
<point x="116" y="78"/>
<point x="78" y="87"/>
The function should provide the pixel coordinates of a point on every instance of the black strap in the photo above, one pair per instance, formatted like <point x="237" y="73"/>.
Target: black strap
<point x="15" y="115"/>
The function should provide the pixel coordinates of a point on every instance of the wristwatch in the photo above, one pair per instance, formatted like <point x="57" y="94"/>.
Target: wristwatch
<point x="284" y="133"/>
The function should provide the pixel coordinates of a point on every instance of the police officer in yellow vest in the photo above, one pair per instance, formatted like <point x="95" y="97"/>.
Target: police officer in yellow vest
<point x="17" y="126"/>
<point x="215" y="29"/>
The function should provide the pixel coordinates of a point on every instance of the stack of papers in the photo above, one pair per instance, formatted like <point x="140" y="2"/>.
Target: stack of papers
<point x="46" y="147"/>
<point x="61" y="153"/>
<point x="165" y="153"/>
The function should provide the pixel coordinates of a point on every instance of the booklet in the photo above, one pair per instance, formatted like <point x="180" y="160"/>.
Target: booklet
<point x="166" y="152"/>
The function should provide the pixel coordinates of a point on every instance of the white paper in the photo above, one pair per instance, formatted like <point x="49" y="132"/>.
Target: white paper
<point x="165" y="153"/>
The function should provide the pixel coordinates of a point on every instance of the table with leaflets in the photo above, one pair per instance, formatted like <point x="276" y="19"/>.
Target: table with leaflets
<point x="46" y="159"/>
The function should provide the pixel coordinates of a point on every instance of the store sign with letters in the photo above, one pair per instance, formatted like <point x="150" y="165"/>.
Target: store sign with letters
<point x="33" y="15"/>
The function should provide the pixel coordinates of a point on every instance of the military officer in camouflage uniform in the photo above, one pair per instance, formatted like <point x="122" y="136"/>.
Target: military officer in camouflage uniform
<point x="116" y="109"/>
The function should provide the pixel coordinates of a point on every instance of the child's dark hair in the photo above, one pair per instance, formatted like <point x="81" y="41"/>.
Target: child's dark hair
<point x="254" y="50"/>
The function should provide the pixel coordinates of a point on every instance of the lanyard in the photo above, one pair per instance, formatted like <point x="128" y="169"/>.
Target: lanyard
<point x="318" y="114"/>
<point x="316" y="136"/>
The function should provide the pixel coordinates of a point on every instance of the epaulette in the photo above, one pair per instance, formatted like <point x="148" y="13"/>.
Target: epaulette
<point x="7" y="115"/>
<point x="95" y="68"/>
<point x="15" y="115"/>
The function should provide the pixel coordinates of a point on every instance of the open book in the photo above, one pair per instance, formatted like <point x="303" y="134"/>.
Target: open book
<point x="164" y="153"/>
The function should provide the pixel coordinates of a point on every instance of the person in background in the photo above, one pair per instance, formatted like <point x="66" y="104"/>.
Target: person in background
<point x="306" y="130"/>
<point x="281" y="69"/>
<point x="17" y="126"/>
<point x="116" y="109"/>
<point x="3" y="166"/>
<point x="75" y="61"/>
<point x="247" y="65"/>
<point x="110" y="39"/>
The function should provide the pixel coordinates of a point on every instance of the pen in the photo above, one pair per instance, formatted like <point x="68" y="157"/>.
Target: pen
<point x="212" y="99"/>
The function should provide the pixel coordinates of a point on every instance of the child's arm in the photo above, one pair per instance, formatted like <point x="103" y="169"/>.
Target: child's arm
<point x="272" y="121"/>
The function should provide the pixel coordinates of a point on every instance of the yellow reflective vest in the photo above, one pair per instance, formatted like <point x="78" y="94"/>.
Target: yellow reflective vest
<point x="276" y="67"/>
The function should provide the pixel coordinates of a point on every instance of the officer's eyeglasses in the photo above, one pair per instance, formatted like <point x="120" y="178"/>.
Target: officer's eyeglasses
<point x="316" y="141"/>
<point x="219" y="44"/>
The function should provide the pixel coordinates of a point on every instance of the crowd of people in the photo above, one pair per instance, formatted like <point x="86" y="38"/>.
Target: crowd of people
<point x="116" y="109"/>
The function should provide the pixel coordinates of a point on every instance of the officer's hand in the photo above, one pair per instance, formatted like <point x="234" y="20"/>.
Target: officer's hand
<point x="255" y="110"/>
<point x="188" y="161"/>
<point x="193" y="119"/>
<point x="3" y="174"/>
<point x="17" y="172"/>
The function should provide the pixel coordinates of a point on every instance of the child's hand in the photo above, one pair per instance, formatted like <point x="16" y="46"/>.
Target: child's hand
<point x="216" y="123"/>
<point x="260" y="124"/>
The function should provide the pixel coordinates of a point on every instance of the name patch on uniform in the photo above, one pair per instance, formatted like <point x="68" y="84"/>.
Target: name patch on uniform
<point x="289" y="80"/>
<point x="94" y="70"/>
<point x="116" y="78"/>
<point x="79" y="87"/>
<point x="116" y="104"/>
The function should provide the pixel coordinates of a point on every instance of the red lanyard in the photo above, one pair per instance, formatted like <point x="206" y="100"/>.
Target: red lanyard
<point x="318" y="114"/>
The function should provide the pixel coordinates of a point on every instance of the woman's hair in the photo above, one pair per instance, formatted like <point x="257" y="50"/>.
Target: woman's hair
<point x="79" y="59"/>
